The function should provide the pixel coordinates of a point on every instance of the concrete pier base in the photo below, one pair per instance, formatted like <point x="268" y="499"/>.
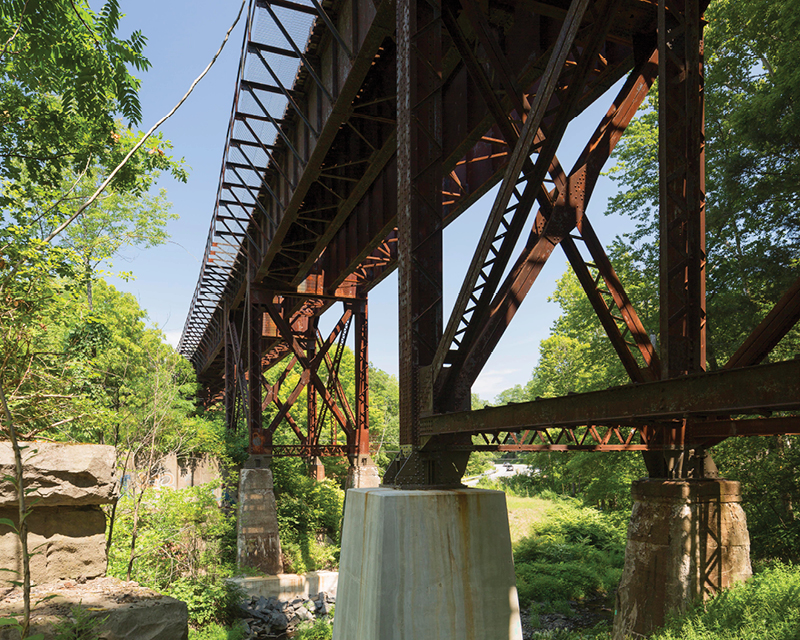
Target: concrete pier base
<point x="258" y="543"/>
<point x="426" y="565"/>
<point x="686" y="540"/>
<point x="363" y="474"/>
<point x="316" y="469"/>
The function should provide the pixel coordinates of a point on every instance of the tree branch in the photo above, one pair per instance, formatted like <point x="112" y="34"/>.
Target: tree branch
<point x="16" y="31"/>
<point x="138" y="145"/>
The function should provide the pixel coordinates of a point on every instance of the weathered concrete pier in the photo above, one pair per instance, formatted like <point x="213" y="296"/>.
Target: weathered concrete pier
<point x="426" y="565"/>
<point x="687" y="539"/>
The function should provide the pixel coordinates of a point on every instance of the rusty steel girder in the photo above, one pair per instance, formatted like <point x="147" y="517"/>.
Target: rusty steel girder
<point x="395" y="119"/>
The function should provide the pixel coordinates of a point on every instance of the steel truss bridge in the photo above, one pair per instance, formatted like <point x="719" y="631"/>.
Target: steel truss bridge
<point x="361" y="128"/>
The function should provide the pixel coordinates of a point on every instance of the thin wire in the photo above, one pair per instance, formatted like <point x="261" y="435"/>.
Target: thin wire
<point x="138" y="145"/>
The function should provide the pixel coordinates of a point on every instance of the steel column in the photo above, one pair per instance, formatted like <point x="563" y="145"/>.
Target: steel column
<point x="419" y="214"/>
<point x="255" y="327"/>
<point x="362" y="379"/>
<point x="682" y="188"/>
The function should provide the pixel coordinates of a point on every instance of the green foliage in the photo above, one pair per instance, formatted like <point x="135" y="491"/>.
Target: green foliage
<point x="573" y="553"/>
<point x="317" y="630"/>
<point x="479" y="461"/>
<point x="218" y="632"/>
<point x="81" y="625"/>
<point x="309" y="517"/>
<point x="769" y="471"/>
<point x="63" y="74"/>
<point x="763" y="607"/>
<point x="185" y="548"/>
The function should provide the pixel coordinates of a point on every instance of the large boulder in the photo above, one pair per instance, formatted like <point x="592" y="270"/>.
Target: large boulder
<point x="64" y="542"/>
<point x="128" y="611"/>
<point x="61" y="474"/>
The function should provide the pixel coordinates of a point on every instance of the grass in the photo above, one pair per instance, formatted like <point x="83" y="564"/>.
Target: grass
<point x="523" y="513"/>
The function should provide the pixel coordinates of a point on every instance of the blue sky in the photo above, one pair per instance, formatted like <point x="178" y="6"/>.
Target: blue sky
<point x="182" y="38"/>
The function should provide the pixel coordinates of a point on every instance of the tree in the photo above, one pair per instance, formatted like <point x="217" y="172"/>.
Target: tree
<point x="63" y="75"/>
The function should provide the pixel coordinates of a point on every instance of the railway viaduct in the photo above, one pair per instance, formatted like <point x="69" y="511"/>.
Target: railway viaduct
<point x="360" y="129"/>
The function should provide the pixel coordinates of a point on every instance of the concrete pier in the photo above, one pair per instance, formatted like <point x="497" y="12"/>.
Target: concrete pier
<point x="426" y="565"/>
<point x="258" y="542"/>
<point x="363" y="474"/>
<point x="686" y="540"/>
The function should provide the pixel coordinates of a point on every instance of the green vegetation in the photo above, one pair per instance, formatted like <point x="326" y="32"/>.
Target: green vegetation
<point x="185" y="547"/>
<point x="763" y="607"/>
<point x="309" y="517"/>
<point x="218" y="632"/>
<point x="317" y="630"/>
<point x="523" y="514"/>
<point x="572" y="553"/>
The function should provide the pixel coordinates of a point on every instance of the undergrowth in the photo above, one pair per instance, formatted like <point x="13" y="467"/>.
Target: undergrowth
<point x="572" y="553"/>
<point x="763" y="608"/>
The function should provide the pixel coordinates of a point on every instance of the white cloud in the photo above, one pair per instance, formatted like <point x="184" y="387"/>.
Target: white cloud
<point x="493" y="381"/>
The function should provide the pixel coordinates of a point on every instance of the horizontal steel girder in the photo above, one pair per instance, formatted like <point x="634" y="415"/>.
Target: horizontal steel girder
<point x="750" y="390"/>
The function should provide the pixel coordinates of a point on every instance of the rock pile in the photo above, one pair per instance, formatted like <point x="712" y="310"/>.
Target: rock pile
<point x="270" y="617"/>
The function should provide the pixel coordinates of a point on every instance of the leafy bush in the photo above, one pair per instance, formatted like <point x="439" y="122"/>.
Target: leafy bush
<point x="185" y="547"/>
<point x="573" y="553"/>
<point x="763" y="607"/>
<point x="218" y="632"/>
<point x="317" y="630"/>
<point x="309" y="517"/>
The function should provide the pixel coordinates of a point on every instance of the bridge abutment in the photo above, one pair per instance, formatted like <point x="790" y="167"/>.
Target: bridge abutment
<point x="686" y="540"/>
<point x="425" y="564"/>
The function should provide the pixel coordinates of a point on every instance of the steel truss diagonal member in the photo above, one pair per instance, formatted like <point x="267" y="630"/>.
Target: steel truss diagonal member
<point x="553" y="225"/>
<point x="479" y="296"/>
<point x="310" y="352"/>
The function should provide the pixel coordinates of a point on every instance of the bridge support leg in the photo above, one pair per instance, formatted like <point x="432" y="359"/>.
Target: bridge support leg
<point x="425" y="564"/>
<point x="686" y="540"/>
<point x="258" y="545"/>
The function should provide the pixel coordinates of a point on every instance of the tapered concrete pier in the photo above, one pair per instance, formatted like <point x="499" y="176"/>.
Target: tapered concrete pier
<point x="426" y="565"/>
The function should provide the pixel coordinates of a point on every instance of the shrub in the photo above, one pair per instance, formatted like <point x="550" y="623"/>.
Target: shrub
<point x="185" y="548"/>
<point x="763" y="607"/>
<point x="317" y="630"/>
<point x="573" y="553"/>
<point x="309" y="517"/>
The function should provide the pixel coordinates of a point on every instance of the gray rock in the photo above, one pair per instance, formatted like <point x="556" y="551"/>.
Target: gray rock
<point x="279" y="621"/>
<point x="66" y="543"/>
<point x="304" y="614"/>
<point x="62" y="474"/>
<point x="160" y="618"/>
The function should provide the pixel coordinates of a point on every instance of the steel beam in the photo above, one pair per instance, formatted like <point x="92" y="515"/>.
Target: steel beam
<point x="749" y="390"/>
